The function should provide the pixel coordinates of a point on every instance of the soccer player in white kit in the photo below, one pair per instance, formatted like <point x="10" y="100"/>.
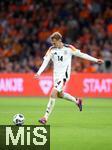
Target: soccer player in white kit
<point x="61" y="56"/>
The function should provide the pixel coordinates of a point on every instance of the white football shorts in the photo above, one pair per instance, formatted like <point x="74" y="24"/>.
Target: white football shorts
<point x="59" y="84"/>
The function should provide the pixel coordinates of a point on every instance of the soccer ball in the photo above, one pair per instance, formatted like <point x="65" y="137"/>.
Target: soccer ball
<point x="18" y="119"/>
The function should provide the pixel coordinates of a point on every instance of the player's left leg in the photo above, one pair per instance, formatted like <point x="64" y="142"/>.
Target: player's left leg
<point x="58" y="84"/>
<point x="51" y="103"/>
<point x="50" y="106"/>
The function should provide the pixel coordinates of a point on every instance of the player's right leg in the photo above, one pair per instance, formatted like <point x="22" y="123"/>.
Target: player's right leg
<point x="50" y="106"/>
<point x="69" y="97"/>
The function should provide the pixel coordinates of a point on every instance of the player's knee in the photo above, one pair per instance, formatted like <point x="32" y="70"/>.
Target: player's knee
<point x="54" y="93"/>
<point x="60" y="94"/>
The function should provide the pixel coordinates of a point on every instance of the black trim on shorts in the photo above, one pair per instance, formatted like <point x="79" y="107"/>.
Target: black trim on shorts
<point x="64" y="80"/>
<point x="66" y="73"/>
<point x="58" y="82"/>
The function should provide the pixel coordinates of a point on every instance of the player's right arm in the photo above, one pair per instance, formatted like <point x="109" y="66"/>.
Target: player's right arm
<point x="46" y="60"/>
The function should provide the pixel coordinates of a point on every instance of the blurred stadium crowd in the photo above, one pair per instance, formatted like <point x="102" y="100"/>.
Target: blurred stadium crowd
<point x="25" y="27"/>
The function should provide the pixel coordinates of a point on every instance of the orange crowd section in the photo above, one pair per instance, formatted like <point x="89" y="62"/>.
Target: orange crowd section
<point x="25" y="27"/>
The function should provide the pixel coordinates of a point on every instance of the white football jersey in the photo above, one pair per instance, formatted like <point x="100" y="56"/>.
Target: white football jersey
<point x="61" y="58"/>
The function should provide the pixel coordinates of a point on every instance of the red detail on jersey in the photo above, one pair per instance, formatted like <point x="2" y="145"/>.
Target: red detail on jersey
<point x="49" y="50"/>
<point x="72" y="47"/>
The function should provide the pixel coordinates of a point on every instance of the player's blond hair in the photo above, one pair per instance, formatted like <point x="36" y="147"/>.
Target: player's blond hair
<point x="56" y="35"/>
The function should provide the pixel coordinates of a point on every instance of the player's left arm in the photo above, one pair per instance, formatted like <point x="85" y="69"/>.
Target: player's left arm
<point x="78" y="53"/>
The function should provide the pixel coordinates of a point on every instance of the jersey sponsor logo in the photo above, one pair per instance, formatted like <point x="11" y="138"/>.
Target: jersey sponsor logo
<point x="45" y="85"/>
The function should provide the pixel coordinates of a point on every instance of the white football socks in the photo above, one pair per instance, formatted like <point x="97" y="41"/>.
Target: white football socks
<point x="50" y="107"/>
<point x="69" y="97"/>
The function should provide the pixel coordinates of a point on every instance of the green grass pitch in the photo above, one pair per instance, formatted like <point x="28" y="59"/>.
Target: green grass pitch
<point x="90" y="129"/>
